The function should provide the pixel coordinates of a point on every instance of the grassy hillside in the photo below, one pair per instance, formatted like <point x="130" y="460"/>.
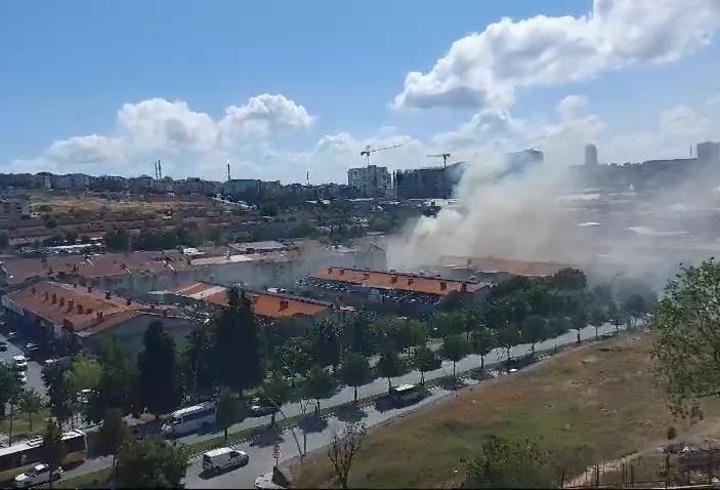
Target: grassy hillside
<point x="591" y="404"/>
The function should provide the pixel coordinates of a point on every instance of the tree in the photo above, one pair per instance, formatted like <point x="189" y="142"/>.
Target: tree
<point x="454" y="349"/>
<point x="424" y="360"/>
<point x="112" y="434"/>
<point x="482" y="342"/>
<point x="534" y="330"/>
<point x="507" y="464"/>
<point x="117" y="240"/>
<point x="275" y="394"/>
<point x="30" y="403"/>
<point x="196" y="361"/>
<point x="85" y="373"/>
<point x="293" y="358"/>
<point x="53" y="448"/>
<point x="634" y="307"/>
<point x="355" y="371"/>
<point x="237" y="350"/>
<point x="319" y="384"/>
<point x="10" y="391"/>
<point x="325" y="343"/>
<point x="229" y="410"/>
<point x="389" y="365"/>
<point x="686" y="349"/>
<point x="508" y="336"/>
<point x="117" y="385"/>
<point x="151" y="463"/>
<point x="61" y="394"/>
<point x="343" y="448"/>
<point x="158" y="381"/>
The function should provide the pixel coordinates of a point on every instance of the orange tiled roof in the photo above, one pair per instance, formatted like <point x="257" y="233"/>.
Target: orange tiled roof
<point x="396" y="280"/>
<point x="73" y="307"/>
<point x="269" y="305"/>
<point x="510" y="266"/>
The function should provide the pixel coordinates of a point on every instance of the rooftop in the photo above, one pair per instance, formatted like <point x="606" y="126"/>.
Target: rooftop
<point x="265" y="304"/>
<point x="397" y="280"/>
<point x="84" y="311"/>
<point x="510" y="266"/>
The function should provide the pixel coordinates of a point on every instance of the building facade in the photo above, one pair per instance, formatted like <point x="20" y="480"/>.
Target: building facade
<point x="370" y="181"/>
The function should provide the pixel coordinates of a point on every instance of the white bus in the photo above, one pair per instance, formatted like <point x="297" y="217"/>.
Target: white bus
<point x="189" y="419"/>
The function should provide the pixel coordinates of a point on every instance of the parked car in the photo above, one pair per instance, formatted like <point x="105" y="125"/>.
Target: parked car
<point x="3" y="346"/>
<point x="37" y="475"/>
<point x="224" y="459"/>
<point x="12" y="334"/>
<point x="257" y="409"/>
<point x="20" y="363"/>
<point x="31" y="347"/>
<point x="22" y="377"/>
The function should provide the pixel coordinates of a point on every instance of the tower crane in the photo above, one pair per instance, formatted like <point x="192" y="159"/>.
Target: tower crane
<point x="445" y="157"/>
<point x="369" y="151"/>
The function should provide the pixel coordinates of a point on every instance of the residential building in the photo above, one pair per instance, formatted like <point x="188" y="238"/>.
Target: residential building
<point x="708" y="152"/>
<point x="371" y="181"/>
<point x="591" y="154"/>
<point x="75" y="317"/>
<point x="432" y="182"/>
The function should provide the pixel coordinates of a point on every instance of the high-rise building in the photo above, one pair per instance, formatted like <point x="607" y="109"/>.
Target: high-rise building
<point x="371" y="181"/>
<point x="434" y="182"/>
<point x="708" y="152"/>
<point x="591" y="156"/>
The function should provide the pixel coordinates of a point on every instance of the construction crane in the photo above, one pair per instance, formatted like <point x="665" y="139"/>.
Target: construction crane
<point x="445" y="157"/>
<point x="369" y="151"/>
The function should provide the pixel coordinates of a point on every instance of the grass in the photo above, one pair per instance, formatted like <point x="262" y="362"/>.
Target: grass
<point x="21" y="426"/>
<point x="97" y="478"/>
<point x="587" y="405"/>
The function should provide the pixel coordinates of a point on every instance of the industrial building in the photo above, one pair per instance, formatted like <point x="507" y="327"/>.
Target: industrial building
<point x="266" y="305"/>
<point x="496" y="269"/>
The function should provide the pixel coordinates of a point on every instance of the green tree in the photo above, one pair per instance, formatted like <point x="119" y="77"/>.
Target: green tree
<point x="687" y="349"/>
<point x="389" y="365"/>
<point x="318" y="385"/>
<point x="10" y="391"/>
<point x="151" y="463"/>
<point x="85" y="372"/>
<point x="508" y="336"/>
<point x="60" y="391"/>
<point x="355" y="371"/>
<point x="325" y="342"/>
<point x="237" y="350"/>
<point x="454" y="349"/>
<point x="31" y="404"/>
<point x="112" y="434"/>
<point x="482" y="342"/>
<point x="508" y="464"/>
<point x="275" y="393"/>
<point x="117" y="240"/>
<point x="229" y="411"/>
<point x="117" y="385"/>
<point x="293" y="358"/>
<point x="53" y="448"/>
<point x="634" y="307"/>
<point x="534" y="330"/>
<point x="196" y="361"/>
<point x="158" y="380"/>
<point x="424" y="360"/>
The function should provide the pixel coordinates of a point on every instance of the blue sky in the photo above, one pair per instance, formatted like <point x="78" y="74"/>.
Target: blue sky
<point x="69" y="67"/>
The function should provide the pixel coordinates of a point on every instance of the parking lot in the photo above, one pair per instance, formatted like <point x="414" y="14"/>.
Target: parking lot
<point x="15" y="346"/>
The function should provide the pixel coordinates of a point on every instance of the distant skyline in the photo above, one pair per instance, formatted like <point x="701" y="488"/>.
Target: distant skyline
<point x="285" y="88"/>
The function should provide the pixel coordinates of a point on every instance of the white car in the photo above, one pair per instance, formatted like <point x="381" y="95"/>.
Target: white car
<point x="20" y="362"/>
<point x="223" y="459"/>
<point x="22" y="377"/>
<point x="36" y="475"/>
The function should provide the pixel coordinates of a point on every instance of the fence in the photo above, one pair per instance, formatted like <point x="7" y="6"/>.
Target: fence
<point x="690" y="467"/>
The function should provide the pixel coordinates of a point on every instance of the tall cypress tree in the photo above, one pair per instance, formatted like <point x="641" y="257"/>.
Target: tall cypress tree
<point x="159" y="387"/>
<point x="237" y="350"/>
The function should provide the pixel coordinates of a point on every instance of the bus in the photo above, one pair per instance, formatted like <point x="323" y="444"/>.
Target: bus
<point x="407" y="394"/>
<point x="31" y="451"/>
<point x="189" y="419"/>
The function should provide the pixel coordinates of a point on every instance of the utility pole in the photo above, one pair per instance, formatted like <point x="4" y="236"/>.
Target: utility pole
<point x="228" y="170"/>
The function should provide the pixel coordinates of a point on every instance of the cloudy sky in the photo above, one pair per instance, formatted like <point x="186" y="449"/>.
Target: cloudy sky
<point x="285" y="88"/>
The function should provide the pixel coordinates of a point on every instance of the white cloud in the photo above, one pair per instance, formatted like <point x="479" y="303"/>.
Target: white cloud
<point x="263" y="115"/>
<point x="159" y="124"/>
<point x="85" y="150"/>
<point x="485" y="68"/>
<point x="682" y="121"/>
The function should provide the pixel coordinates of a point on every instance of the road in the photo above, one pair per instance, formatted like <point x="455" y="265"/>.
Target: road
<point x="261" y="454"/>
<point x="34" y="378"/>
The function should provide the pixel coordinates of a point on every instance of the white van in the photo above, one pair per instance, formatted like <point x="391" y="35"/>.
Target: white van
<point x="223" y="459"/>
<point x="40" y="473"/>
<point x="189" y="419"/>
